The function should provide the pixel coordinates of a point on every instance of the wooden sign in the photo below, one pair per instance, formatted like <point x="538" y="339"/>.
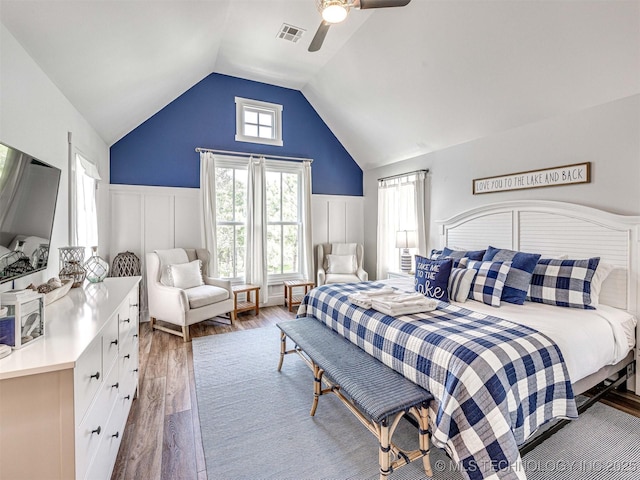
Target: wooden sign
<point x="546" y="177"/>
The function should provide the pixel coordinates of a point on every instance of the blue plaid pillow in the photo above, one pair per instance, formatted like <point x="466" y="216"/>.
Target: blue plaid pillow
<point x="565" y="283"/>
<point x="471" y="254"/>
<point x="432" y="277"/>
<point x="489" y="281"/>
<point x="516" y="286"/>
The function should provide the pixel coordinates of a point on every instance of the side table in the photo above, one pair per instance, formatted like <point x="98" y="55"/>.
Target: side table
<point x="292" y="300"/>
<point x="247" y="304"/>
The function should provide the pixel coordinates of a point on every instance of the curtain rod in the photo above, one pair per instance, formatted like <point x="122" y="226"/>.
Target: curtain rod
<point x="245" y="154"/>
<point x="402" y="175"/>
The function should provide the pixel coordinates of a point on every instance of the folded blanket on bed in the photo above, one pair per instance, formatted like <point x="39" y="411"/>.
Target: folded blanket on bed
<point x="393" y="303"/>
<point x="364" y="297"/>
<point x="396" y="305"/>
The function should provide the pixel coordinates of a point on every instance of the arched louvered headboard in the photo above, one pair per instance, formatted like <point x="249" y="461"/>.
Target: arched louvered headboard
<point x="557" y="228"/>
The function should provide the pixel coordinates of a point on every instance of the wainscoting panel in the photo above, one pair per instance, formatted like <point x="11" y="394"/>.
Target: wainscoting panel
<point x="337" y="219"/>
<point x="187" y="220"/>
<point x="159" y="222"/>
<point x="127" y="228"/>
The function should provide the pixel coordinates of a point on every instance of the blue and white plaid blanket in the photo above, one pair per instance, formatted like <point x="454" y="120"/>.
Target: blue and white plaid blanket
<point x="494" y="382"/>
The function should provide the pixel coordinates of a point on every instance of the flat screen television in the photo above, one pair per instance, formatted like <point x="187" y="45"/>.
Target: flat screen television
<point x="28" y="194"/>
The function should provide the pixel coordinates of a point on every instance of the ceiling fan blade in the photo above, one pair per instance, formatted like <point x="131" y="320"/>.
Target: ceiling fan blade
<point x="318" y="38"/>
<point x="383" y="3"/>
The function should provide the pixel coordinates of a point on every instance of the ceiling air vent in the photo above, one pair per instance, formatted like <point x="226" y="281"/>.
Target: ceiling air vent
<point x="290" y="33"/>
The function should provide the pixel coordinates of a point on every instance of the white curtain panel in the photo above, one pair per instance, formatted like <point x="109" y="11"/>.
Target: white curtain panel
<point x="386" y="224"/>
<point x="401" y="206"/>
<point x="307" y="237"/>
<point x="208" y="209"/>
<point x="420" y="201"/>
<point x="256" y="243"/>
<point x="85" y="213"/>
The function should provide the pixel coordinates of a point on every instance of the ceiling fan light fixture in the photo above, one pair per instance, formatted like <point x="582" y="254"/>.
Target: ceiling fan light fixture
<point x="334" y="11"/>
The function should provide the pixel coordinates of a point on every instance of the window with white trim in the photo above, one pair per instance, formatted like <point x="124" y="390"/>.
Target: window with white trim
<point x="284" y="219"/>
<point x="258" y="122"/>
<point x="284" y="228"/>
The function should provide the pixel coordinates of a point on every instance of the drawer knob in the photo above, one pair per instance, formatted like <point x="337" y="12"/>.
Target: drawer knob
<point x="127" y="397"/>
<point x="133" y="304"/>
<point x="96" y="376"/>
<point x="135" y="335"/>
<point x="115" y="435"/>
<point x="126" y="320"/>
<point x="114" y="342"/>
<point x="97" y="431"/>
<point x="126" y="356"/>
<point x="135" y="370"/>
<point x="115" y="385"/>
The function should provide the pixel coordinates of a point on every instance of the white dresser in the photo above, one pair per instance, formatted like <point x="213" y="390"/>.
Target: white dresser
<point x="64" y="401"/>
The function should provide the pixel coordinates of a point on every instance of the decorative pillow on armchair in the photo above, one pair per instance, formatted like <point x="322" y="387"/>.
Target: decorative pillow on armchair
<point x="432" y="277"/>
<point x="183" y="275"/>
<point x="343" y="264"/>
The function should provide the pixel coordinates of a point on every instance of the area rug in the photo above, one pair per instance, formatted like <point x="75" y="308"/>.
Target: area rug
<point x="255" y="425"/>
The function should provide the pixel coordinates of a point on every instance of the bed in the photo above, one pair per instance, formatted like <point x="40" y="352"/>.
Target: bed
<point x="460" y="352"/>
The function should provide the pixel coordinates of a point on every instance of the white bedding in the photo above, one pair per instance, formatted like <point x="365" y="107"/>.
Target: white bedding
<point x="588" y="339"/>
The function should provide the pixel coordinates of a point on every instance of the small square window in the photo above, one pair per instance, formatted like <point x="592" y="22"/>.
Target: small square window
<point x="258" y="122"/>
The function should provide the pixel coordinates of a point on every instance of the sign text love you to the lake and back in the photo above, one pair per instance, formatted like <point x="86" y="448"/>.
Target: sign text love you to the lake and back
<point x="547" y="177"/>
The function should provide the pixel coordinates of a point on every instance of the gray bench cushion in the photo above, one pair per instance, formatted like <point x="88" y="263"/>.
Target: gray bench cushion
<point x="377" y="390"/>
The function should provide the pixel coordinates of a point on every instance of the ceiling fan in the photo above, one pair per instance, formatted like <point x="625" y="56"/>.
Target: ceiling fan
<point x="335" y="11"/>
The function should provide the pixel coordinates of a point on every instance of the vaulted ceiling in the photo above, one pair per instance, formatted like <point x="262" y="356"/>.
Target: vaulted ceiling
<point x="391" y="83"/>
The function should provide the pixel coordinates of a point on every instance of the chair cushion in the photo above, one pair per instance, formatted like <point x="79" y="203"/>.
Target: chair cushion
<point x="205" y="295"/>
<point x="341" y="278"/>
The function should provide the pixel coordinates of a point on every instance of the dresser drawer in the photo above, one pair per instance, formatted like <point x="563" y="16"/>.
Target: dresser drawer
<point x="128" y="357"/>
<point x="87" y="377"/>
<point x="93" y="427"/>
<point x="129" y="366"/>
<point x="110" y="342"/>
<point x="107" y="451"/>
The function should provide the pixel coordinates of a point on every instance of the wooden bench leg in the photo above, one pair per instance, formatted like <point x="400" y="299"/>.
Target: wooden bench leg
<point x="317" y="387"/>
<point x="384" y="456"/>
<point x="283" y="349"/>
<point x="423" y="436"/>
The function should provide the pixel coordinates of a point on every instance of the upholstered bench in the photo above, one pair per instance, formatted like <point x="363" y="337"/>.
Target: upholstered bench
<point x="377" y="395"/>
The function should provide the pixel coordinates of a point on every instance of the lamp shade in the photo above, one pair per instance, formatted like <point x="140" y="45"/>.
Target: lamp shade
<point x="406" y="239"/>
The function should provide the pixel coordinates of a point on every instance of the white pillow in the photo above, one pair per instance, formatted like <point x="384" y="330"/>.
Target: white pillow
<point x="602" y="272"/>
<point x="344" y="264"/>
<point x="183" y="275"/>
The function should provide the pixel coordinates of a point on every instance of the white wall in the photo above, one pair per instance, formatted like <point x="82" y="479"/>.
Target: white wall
<point x="144" y="219"/>
<point x="606" y="135"/>
<point x="35" y="118"/>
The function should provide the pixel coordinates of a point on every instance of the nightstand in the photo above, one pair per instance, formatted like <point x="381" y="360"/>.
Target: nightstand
<point x="391" y="274"/>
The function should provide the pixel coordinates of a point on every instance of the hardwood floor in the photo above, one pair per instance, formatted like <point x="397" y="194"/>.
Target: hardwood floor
<point x="162" y="436"/>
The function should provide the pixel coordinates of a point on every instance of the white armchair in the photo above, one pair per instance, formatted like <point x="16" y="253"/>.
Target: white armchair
<point x="184" y="306"/>
<point x="340" y="263"/>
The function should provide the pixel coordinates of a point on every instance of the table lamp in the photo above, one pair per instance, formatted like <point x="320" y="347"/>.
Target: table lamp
<point x="405" y="239"/>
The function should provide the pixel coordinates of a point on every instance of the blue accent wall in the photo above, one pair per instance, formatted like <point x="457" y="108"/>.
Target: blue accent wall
<point x="161" y="151"/>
